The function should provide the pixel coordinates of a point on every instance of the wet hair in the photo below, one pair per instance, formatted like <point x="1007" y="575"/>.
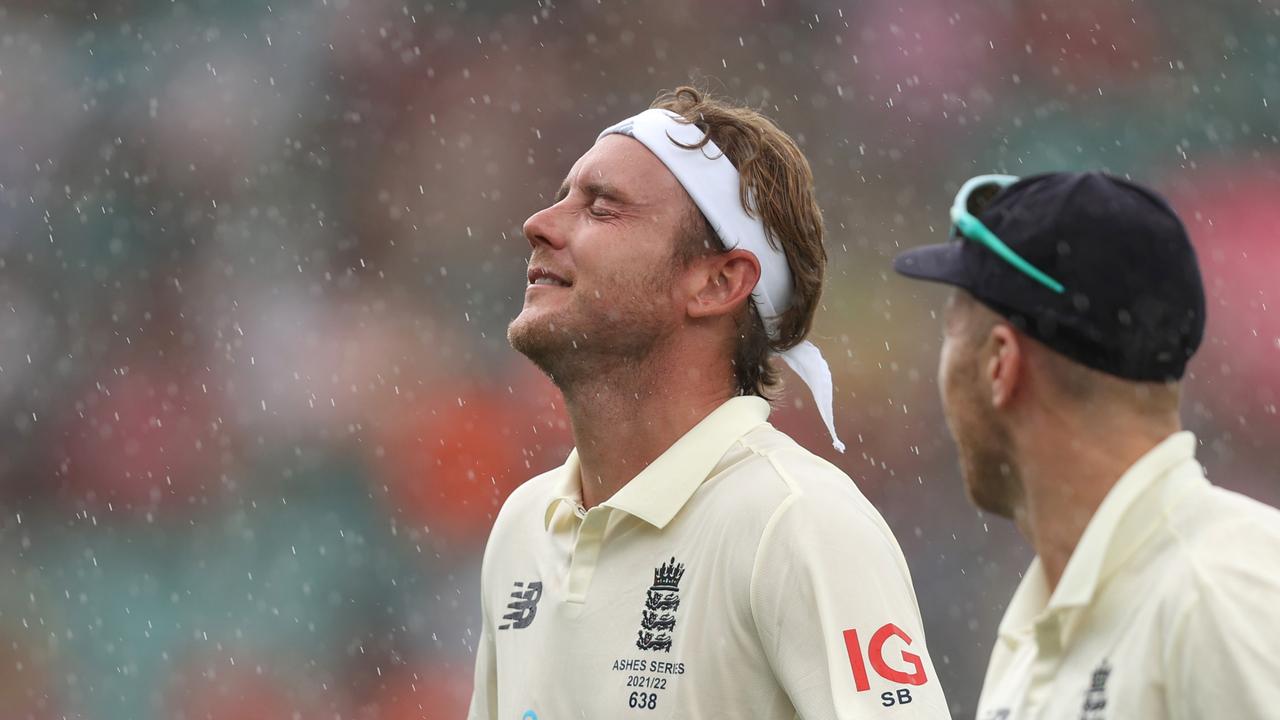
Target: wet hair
<point x="776" y="175"/>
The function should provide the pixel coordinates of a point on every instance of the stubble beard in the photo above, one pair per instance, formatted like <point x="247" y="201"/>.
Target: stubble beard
<point x="590" y="341"/>
<point x="987" y="464"/>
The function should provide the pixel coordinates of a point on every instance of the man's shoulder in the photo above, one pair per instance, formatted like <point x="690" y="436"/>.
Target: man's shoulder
<point x="1222" y="537"/>
<point x="530" y="498"/>
<point x="1220" y="591"/>
<point x="773" y="474"/>
<point x="1216" y="519"/>
<point x="522" y="515"/>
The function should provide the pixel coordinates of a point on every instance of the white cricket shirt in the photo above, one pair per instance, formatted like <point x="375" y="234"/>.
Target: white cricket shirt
<point x="737" y="576"/>
<point x="1168" y="608"/>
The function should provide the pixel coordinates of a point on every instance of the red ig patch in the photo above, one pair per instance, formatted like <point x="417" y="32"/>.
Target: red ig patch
<point x="875" y="653"/>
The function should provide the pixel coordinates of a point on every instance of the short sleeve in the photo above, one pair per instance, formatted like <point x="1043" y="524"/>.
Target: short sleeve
<point x="834" y="606"/>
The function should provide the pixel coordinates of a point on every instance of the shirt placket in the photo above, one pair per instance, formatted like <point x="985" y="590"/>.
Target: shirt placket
<point x="1049" y="645"/>
<point x="586" y="550"/>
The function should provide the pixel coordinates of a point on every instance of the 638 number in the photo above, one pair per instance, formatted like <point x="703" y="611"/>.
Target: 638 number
<point x="643" y="701"/>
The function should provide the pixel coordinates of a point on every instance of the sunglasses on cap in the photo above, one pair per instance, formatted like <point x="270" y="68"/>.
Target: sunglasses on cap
<point x="974" y="195"/>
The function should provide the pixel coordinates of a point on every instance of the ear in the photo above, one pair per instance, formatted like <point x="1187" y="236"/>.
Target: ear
<point x="1004" y="364"/>
<point x="720" y="283"/>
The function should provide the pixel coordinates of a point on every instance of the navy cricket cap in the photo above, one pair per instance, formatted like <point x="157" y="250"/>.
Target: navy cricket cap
<point x="1132" y="303"/>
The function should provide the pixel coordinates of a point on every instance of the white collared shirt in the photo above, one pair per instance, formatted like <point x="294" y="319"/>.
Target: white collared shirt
<point x="737" y="576"/>
<point x="1169" y="607"/>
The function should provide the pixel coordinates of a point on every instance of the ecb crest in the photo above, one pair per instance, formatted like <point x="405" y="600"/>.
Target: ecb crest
<point x="658" y="621"/>
<point x="1095" y="700"/>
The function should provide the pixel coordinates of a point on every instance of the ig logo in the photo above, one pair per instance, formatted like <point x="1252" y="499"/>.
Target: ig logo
<point x="875" y="653"/>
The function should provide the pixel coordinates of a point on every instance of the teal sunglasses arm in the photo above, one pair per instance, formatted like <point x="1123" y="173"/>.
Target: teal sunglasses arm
<point x="973" y="229"/>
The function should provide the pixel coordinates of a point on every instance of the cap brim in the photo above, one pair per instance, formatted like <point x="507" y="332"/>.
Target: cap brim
<point x="936" y="263"/>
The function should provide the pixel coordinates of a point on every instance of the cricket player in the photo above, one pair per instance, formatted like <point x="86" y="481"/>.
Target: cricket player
<point x="1153" y="593"/>
<point x="688" y="560"/>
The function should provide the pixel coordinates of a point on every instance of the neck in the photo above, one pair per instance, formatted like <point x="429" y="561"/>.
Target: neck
<point x="1067" y="466"/>
<point x="626" y="415"/>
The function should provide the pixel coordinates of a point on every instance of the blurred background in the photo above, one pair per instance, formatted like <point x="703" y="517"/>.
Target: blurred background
<point x="257" y="259"/>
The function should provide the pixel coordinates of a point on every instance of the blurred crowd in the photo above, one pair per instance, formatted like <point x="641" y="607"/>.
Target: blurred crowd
<point x="257" y="410"/>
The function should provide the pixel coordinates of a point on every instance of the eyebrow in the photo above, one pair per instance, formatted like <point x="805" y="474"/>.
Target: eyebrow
<point x="595" y="189"/>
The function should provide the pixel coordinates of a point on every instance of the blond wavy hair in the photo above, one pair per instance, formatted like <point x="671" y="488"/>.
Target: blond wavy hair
<point x="776" y="175"/>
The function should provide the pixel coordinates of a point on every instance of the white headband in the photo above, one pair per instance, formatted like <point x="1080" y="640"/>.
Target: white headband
<point x="713" y="183"/>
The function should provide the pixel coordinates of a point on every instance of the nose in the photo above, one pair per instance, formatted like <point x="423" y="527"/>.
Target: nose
<point x="542" y="228"/>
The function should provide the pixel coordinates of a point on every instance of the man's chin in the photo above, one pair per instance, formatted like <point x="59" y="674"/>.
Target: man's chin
<point x="989" y="490"/>
<point x="539" y="340"/>
<point x="987" y="503"/>
<point x="525" y="334"/>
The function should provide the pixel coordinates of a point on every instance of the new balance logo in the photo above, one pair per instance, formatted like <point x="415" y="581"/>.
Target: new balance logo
<point x="523" y="606"/>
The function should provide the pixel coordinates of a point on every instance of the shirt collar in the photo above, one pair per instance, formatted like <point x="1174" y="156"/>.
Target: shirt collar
<point x="1124" y="520"/>
<point x="663" y="488"/>
<point x="566" y="490"/>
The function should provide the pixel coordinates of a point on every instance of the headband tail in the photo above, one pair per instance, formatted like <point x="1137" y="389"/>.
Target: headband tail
<point x="807" y="362"/>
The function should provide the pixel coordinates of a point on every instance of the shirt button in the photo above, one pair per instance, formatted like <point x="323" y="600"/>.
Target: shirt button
<point x="580" y="511"/>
